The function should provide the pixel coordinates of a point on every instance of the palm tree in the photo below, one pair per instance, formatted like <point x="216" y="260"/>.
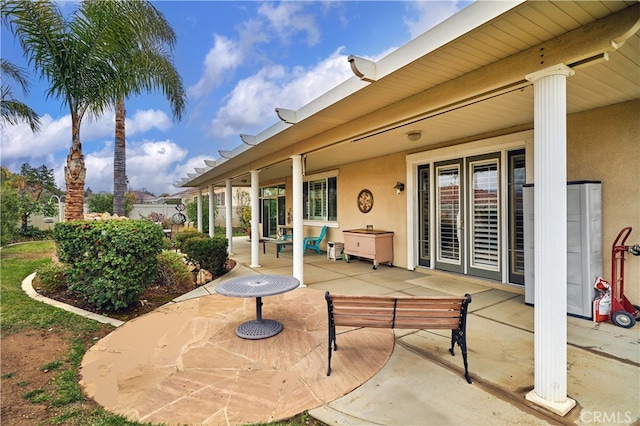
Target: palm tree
<point x="82" y="58"/>
<point x="149" y="67"/>
<point x="14" y="111"/>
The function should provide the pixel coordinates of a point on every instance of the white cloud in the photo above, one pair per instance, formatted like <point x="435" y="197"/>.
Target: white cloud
<point x="144" y="120"/>
<point x="19" y="144"/>
<point x="223" y="57"/>
<point x="251" y="32"/>
<point x="150" y="165"/>
<point x="93" y="129"/>
<point x="190" y="165"/>
<point x="287" y="19"/>
<point x="309" y="84"/>
<point x="180" y="171"/>
<point x="425" y="15"/>
<point x="99" y="166"/>
<point x="251" y="104"/>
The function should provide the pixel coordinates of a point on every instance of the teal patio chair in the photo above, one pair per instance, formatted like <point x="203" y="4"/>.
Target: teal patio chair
<point x="314" y="242"/>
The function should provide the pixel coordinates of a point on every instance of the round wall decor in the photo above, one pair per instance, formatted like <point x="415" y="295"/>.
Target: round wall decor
<point x="365" y="201"/>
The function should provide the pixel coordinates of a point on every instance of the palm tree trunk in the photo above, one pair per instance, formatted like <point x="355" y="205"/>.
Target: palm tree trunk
<point x="119" y="161"/>
<point x="75" y="173"/>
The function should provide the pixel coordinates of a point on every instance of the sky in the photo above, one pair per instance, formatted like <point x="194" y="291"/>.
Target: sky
<point x="239" y="60"/>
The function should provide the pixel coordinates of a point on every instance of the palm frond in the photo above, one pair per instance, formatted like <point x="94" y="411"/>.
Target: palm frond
<point x="15" y="73"/>
<point x="15" y="112"/>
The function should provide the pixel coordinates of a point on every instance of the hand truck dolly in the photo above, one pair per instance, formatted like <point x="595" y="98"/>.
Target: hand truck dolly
<point x="623" y="312"/>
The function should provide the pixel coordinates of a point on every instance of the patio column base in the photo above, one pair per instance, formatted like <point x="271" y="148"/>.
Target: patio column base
<point x="559" y="408"/>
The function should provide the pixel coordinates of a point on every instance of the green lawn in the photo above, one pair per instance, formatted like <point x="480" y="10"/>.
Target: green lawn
<point x="20" y="313"/>
<point x="64" y="399"/>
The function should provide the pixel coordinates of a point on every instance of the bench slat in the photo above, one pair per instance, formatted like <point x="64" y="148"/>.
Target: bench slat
<point x="443" y="304"/>
<point x="428" y="313"/>
<point x="371" y="310"/>
<point x="376" y="322"/>
<point x="439" y="323"/>
<point x="364" y="302"/>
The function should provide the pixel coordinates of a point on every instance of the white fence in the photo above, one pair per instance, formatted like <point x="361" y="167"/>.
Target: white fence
<point x="139" y="211"/>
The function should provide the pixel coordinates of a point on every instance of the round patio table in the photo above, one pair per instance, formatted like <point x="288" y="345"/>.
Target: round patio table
<point x="258" y="286"/>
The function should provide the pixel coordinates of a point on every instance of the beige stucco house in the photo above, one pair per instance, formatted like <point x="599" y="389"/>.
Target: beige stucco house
<point x="501" y="95"/>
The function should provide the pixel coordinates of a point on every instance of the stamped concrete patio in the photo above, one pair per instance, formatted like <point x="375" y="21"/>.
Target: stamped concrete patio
<point x="183" y="364"/>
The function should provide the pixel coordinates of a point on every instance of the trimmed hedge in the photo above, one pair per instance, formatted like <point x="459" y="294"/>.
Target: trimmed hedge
<point x="112" y="262"/>
<point x="187" y="234"/>
<point x="209" y="253"/>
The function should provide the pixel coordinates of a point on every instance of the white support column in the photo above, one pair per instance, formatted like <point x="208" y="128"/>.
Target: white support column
<point x="199" y="209"/>
<point x="298" y="254"/>
<point x="550" y="235"/>
<point x="228" y="201"/>
<point x="255" y="219"/>
<point x="212" y="205"/>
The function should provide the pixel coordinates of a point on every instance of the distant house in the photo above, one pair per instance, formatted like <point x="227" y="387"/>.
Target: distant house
<point x="500" y="95"/>
<point x="143" y="197"/>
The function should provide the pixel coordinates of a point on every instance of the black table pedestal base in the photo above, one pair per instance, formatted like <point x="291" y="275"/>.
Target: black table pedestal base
<point x="255" y="329"/>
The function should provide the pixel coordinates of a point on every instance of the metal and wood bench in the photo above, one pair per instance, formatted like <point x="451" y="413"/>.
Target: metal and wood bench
<point x="446" y="312"/>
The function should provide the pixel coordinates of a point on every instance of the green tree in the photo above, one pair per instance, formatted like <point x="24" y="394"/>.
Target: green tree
<point x="150" y="67"/>
<point x="82" y="58"/>
<point x="9" y="207"/>
<point x="103" y="203"/>
<point x="192" y="212"/>
<point x="12" y="110"/>
<point x="243" y="208"/>
<point x="34" y="185"/>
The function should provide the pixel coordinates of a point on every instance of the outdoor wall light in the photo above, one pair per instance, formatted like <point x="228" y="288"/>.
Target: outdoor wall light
<point x="399" y="187"/>
<point x="414" y="136"/>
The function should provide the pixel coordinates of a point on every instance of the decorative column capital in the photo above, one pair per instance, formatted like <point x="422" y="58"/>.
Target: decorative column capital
<point x="558" y="69"/>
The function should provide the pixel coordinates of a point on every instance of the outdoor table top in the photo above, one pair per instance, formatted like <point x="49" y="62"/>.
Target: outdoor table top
<point x="257" y="285"/>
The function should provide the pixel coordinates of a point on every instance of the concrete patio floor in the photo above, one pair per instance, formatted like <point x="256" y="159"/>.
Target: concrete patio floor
<point x="183" y="364"/>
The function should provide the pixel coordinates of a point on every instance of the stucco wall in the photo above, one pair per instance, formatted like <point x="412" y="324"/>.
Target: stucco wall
<point x="379" y="176"/>
<point x="604" y="144"/>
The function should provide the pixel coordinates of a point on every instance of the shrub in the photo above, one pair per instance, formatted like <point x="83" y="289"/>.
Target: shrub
<point x="51" y="277"/>
<point x="156" y="217"/>
<point x="173" y="273"/>
<point x="186" y="234"/>
<point x="31" y="233"/>
<point x="166" y="244"/>
<point x="209" y="253"/>
<point x="111" y="262"/>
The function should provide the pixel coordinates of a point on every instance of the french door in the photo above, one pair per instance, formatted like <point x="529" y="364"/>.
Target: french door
<point x="467" y="216"/>
<point x="484" y="217"/>
<point x="273" y="214"/>
<point x="424" y="220"/>
<point x="449" y="216"/>
<point x="517" y="179"/>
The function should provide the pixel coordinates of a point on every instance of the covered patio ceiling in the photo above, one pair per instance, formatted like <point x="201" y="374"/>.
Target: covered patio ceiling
<point x="452" y="89"/>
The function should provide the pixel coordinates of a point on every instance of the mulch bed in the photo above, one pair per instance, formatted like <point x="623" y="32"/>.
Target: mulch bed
<point x="153" y="297"/>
